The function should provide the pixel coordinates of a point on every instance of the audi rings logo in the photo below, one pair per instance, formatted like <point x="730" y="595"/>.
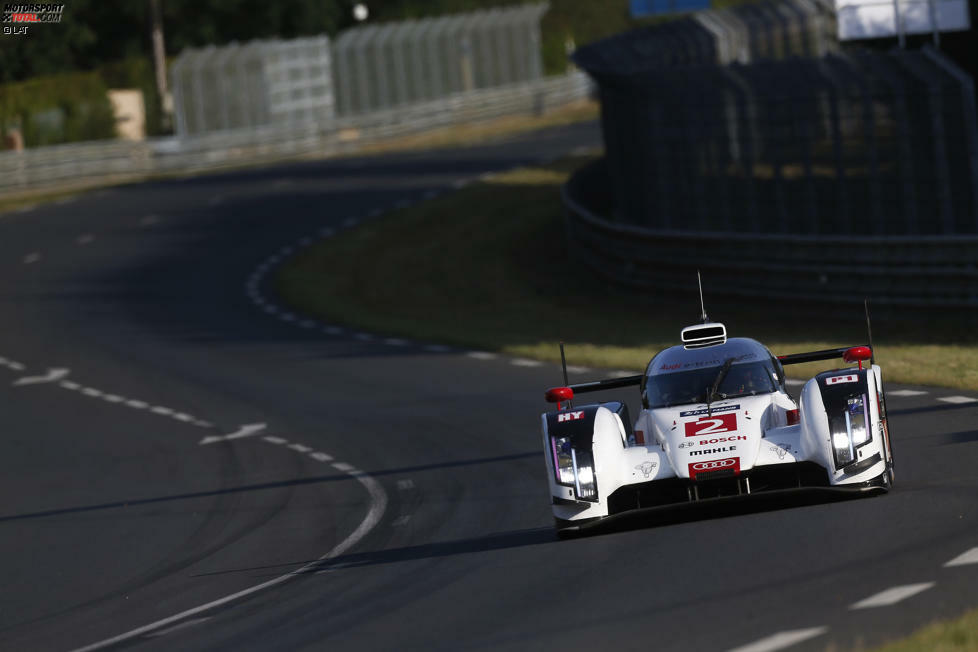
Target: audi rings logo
<point x="713" y="465"/>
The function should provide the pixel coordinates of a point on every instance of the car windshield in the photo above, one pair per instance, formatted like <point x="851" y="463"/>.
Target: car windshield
<point x="747" y="379"/>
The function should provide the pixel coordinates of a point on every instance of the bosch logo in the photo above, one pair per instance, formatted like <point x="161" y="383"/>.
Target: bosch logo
<point x="713" y="465"/>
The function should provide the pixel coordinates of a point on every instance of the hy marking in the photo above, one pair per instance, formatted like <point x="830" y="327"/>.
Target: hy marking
<point x="53" y="376"/>
<point x="781" y="640"/>
<point x="969" y="557"/>
<point x="892" y="596"/>
<point x="244" y="431"/>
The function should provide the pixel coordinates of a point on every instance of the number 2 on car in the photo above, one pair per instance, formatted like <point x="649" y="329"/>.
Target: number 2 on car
<point x="712" y="425"/>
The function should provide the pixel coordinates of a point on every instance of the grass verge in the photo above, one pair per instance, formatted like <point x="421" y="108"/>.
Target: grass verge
<point x="487" y="267"/>
<point x="957" y="635"/>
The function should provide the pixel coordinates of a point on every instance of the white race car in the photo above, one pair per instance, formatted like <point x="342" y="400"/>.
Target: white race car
<point x="716" y="423"/>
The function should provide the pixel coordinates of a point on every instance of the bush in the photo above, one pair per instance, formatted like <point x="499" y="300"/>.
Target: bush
<point x="58" y="109"/>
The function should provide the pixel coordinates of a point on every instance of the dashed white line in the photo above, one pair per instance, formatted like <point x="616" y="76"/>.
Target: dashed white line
<point x="577" y="369"/>
<point x="308" y="323"/>
<point x="343" y="466"/>
<point x="149" y="220"/>
<point x="905" y="392"/>
<point x="958" y="399"/>
<point x="113" y="398"/>
<point x="53" y="376"/>
<point x="85" y="239"/>
<point x="91" y="391"/>
<point x="287" y="316"/>
<point x="431" y="194"/>
<point x="305" y="242"/>
<point x="375" y="212"/>
<point x="969" y="557"/>
<point x="525" y="362"/>
<point x="138" y="405"/>
<point x="393" y="341"/>
<point x="286" y="251"/>
<point x="333" y="330"/>
<point x="402" y="203"/>
<point x="437" y="348"/>
<point x="794" y="382"/>
<point x="272" y="439"/>
<point x="482" y="355"/>
<point x="161" y="410"/>
<point x="366" y="337"/>
<point x="891" y="596"/>
<point x="16" y="366"/>
<point x="246" y="430"/>
<point x="621" y="373"/>
<point x="300" y="448"/>
<point x="68" y="384"/>
<point x="781" y="640"/>
<point x="460" y="183"/>
<point x="215" y="200"/>
<point x="181" y="416"/>
<point x="404" y="485"/>
<point x="401" y="520"/>
<point x="326" y="232"/>
<point x="32" y="258"/>
<point x="321" y="457"/>
<point x="351" y="222"/>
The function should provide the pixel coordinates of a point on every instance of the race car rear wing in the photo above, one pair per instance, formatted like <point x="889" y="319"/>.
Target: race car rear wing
<point x="847" y="353"/>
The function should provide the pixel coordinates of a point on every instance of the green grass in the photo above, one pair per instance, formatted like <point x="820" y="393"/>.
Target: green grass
<point x="487" y="267"/>
<point x="958" y="635"/>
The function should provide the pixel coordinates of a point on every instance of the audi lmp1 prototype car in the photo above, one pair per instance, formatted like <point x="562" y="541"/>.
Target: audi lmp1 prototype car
<point x="716" y="423"/>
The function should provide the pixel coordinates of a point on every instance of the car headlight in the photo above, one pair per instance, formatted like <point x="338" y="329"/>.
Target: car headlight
<point x="563" y="455"/>
<point x="850" y="430"/>
<point x="574" y="468"/>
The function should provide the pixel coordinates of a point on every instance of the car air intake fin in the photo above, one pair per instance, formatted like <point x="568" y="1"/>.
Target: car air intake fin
<point x="709" y="334"/>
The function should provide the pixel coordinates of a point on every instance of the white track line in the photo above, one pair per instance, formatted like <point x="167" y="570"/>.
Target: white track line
<point x="482" y="355"/>
<point x="781" y="640"/>
<point x="891" y="596"/>
<point x="525" y="362"/>
<point x="958" y="399"/>
<point x="969" y="557"/>
<point x="905" y="392"/>
<point x="794" y="382"/>
<point x="378" y="504"/>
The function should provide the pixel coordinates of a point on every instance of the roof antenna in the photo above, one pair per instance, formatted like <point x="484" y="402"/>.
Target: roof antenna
<point x="869" y="332"/>
<point x="699" y="281"/>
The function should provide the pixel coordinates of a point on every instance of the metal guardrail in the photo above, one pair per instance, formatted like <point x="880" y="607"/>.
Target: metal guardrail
<point x="894" y="270"/>
<point x="88" y="162"/>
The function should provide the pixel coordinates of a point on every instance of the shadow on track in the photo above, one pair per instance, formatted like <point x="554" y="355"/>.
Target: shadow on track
<point x="338" y="477"/>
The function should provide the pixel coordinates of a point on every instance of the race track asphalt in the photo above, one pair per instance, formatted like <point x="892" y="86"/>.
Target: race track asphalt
<point x="403" y="480"/>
